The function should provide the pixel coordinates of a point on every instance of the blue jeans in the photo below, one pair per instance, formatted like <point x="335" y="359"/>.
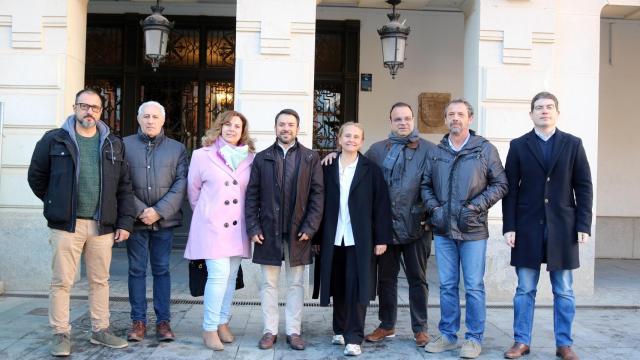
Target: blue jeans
<point x="470" y="254"/>
<point x="524" y="302"/>
<point x="139" y="246"/>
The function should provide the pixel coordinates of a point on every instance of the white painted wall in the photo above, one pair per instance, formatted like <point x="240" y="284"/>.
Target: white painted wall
<point x="42" y="50"/>
<point x="619" y="171"/>
<point x="435" y="56"/>
<point x="618" y="193"/>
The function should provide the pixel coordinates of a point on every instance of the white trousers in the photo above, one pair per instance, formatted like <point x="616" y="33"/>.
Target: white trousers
<point x="219" y="290"/>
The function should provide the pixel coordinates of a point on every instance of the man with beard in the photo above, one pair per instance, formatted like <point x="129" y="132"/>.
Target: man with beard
<point x="464" y="179"/>
<point x="283" y="209"/>
<point x="79" y="172"/>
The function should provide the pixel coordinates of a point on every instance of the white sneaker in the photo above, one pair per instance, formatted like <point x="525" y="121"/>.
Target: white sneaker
<point x="352" y="350"/>
<point x="337" y="340"/>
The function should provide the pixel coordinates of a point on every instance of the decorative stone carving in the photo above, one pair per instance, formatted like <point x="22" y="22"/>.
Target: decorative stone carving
<point x="431" y="112"/>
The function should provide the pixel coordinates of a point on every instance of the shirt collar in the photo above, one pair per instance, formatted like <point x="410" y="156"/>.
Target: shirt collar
<point x="350" y="166"/>
<point x="543" y="136"/>
<point x="461" y="146"/>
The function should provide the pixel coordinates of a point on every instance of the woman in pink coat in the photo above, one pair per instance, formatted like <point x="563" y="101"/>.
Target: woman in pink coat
<point x="217" y="180"/>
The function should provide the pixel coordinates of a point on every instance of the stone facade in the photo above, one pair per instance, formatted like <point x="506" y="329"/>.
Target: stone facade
<point x="510" y="50"/>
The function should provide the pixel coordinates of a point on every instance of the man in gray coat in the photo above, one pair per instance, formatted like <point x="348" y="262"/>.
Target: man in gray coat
<point x="464" y="179"/>
<point x="158" y="168"/>
<point x="403" y="160"/>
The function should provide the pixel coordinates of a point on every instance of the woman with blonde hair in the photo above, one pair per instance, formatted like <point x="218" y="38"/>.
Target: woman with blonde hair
<point x="216" y="184"/>
<point x="356" y="228"/>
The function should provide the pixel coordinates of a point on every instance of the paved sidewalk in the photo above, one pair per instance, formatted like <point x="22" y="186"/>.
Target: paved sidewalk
<point x="609" y="328"/>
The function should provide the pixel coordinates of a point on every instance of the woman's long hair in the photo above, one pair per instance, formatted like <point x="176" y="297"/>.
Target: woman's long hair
<point x="212" y="134"/>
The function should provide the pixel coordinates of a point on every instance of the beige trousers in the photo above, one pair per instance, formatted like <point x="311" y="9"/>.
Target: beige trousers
<point x="67" y="248"/>
<point x="294" y="300"/>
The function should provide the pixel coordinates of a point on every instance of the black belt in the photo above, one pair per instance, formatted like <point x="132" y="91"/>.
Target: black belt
<point x="85" y="217"/>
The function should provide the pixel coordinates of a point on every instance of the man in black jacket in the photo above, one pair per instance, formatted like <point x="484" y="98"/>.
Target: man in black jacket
<point x="464" y="179"/>
<point x="548" y="207"/>
<point x="80" y="174"/>
<point x="158" y="168"/>
<point x="283" y="209"/>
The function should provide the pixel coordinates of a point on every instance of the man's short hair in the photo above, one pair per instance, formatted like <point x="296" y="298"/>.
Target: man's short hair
<point x="544" y="95"/>
<point x="288" y="112"/>
<point x="151" y="103"/>
<point x="459" y="101"/>
<point x="400" y="104"/>
<point x="90" y="91"/>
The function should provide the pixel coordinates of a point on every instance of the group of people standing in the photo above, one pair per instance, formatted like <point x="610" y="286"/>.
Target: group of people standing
<point x="361" y="215"/>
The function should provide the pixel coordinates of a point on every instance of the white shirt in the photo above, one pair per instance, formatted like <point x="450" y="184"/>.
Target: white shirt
<point x="344" y="230"/>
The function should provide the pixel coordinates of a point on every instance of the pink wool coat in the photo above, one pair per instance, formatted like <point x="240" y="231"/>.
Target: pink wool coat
<point x="216" y="194"/>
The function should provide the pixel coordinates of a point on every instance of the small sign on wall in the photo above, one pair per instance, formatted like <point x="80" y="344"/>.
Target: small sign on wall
<point x="366" y="82"/>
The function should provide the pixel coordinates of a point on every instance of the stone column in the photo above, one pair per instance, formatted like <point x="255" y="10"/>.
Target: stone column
<point x="513" y="50"/>
<point x="42" y="54"/>
<point x="275" y="52"/>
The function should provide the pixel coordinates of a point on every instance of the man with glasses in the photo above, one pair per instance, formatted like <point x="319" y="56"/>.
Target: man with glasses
<point x="80" y="174"/>
<point x="548" y="207"/>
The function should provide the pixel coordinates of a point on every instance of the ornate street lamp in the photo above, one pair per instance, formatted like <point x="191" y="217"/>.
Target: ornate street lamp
<point x="394" y="40"/>
<point x="156" y="35"/>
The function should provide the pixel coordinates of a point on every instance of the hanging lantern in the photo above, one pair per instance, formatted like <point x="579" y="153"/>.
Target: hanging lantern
<point x="394" y="36"/>
<point x="156" y="29"/>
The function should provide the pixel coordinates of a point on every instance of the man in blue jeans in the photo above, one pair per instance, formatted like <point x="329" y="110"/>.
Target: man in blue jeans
<point x="158" y="167"/>
<point x="549" y="208"/>
<point x="464" y="179"/>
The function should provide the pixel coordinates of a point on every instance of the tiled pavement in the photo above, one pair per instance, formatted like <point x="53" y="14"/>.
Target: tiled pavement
<point x="608" y="330"/>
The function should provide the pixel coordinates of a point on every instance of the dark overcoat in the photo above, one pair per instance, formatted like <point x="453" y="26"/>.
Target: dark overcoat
<point x="560" y="197"/>
<point x="263" y="211"/>
<point x="370" y="212"/>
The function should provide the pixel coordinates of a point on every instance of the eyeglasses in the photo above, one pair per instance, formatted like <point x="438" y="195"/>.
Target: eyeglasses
<point x="85" y="107"/>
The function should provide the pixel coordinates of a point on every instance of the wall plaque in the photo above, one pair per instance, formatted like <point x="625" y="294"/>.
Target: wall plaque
<point x="431" y="112"/>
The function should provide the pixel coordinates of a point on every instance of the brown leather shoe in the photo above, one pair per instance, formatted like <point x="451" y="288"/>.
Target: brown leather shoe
<point x="225" y="333"/>
<point x="212" y="341"/>
<point x="422" y="338"/>
<point x="137" y="331"/>
<point x="566" y="353"/>
<point x="516" y="351"/>
<point x="267" y="341"/>
<point x="163" y="331"/>
<point x="379" y="334"/>
<point x="295" y="342"/>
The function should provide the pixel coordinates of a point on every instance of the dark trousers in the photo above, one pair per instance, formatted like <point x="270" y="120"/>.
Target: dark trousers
<point x="146" y="246"/>
<point x="348" y="314"/>
<point x="415" y="257"/>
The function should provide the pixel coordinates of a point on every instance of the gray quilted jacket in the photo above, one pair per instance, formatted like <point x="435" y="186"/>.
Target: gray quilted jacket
<point x="158" y="170"/>
<point x="407" y="207"/>
<point x="462" y="186"/>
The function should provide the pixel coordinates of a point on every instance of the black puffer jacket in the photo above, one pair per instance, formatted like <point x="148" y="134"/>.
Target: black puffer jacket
<point x="407" y="207"/>
<point x="53" y="177"/>
<point x="159" y="177"/>
<point x="462" y="186"/>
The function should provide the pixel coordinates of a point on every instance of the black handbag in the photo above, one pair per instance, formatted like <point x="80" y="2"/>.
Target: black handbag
<point x="198" y="277"/>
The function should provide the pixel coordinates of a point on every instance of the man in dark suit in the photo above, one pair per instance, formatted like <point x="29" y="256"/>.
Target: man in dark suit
<point x="548" y="207"/>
